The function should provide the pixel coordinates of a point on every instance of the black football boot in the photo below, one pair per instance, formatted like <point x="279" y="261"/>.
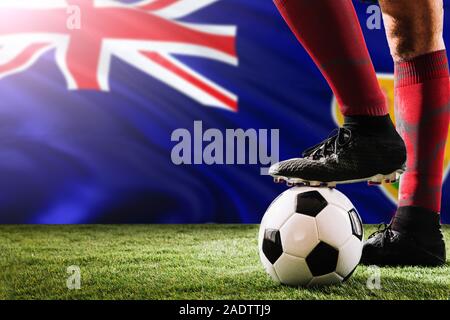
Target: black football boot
<point x="413" y="238"/>
<point x="366" y="148"/>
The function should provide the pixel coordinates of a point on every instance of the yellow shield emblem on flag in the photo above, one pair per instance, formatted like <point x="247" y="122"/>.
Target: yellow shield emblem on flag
<point x="387" y="84"/>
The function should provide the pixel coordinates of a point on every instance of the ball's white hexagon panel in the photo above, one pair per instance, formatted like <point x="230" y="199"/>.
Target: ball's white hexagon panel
<point x="261" y="235"/>
<point x="279" y="210"/>
<point x="299" y="235"/>
<point x="334" y="226"/>
<point x="349" y="256"/>
<point x="334" y="196"/>
<point x="292" y="270"/>
<point x="328" y="279"/>
<point x="268" y="267"/>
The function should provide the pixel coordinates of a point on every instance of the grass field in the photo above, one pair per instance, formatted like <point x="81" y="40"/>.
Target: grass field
<point x="174" y="262"/>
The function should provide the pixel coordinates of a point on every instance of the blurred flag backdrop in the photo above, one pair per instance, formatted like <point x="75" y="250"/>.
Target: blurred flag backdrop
<point x="86" y="115"/>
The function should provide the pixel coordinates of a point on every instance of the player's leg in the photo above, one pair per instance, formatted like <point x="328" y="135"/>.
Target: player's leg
<point x="422" y="97"/>
<point x="329" y="30"/>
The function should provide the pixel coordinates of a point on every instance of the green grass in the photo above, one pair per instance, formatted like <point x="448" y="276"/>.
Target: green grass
<point x="174" y="262"/>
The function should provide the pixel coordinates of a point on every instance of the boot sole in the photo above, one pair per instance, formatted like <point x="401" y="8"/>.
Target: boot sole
<point x="375" y="180"/>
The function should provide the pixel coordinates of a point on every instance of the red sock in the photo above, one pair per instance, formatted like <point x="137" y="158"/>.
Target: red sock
<point x="329" y="30"/>
<point x="422" y="96"/>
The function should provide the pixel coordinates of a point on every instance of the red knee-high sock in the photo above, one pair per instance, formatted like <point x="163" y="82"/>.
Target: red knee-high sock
<point x="422" y="97"/>
<point x="329" y="30"/>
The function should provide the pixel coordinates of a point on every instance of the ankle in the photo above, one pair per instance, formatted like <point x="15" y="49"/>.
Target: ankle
<point x="418" y="222"/>
<point x="373" y="125"/>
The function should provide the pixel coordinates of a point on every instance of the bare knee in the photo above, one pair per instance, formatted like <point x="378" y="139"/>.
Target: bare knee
<point x="413" y="28"/>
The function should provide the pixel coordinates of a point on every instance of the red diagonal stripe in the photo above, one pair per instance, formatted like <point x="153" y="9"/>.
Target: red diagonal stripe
<point x="23" y="57"/>
<point x="232" y="104"/>
<point x="157" y="5"/>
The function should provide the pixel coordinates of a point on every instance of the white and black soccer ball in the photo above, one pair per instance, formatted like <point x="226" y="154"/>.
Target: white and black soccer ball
<point x="310" y="236"/>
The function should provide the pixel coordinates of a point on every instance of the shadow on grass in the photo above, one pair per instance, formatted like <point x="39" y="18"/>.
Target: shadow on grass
<point x="392" y="287"/>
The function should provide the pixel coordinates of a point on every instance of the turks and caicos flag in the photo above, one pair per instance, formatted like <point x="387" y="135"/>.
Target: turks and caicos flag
<point x="86" y="34"/>
<point x="91" y="92"/>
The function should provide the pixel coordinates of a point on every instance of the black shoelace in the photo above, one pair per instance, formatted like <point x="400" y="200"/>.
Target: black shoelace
<point x="385" y="230"/>
<point x="337" y="139"/>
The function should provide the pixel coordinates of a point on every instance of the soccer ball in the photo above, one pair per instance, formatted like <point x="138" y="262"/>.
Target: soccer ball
<point x="310" y="237"/>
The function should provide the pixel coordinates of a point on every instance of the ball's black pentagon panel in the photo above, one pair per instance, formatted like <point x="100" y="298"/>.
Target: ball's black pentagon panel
<point x="310" y="203"/>
<point x="357" y="227"/>
<point x="271" y="245"/>
<point x="322" y="260"/>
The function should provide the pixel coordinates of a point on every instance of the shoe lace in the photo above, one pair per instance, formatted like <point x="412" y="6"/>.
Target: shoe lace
<point x="385" y="230"/>
<point x="337" y="139"/>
